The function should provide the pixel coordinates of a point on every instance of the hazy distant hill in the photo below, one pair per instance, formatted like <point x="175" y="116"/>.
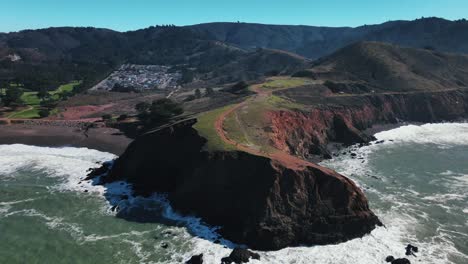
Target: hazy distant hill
<point x="315" y="42"/>
<point x="50" y="56"/>
<point x="390" y="67"/>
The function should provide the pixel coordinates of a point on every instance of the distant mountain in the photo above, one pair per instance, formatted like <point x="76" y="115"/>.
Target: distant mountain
<point x="387" y="67"/>
<point x="236" y="51"/>
<point x="316" y="42"/>
<point x="52" y="56"/>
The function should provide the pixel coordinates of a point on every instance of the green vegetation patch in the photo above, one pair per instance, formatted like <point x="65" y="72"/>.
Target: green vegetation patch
<point x="29" y="113"/>
<point x="285" y="83"/>
<point x="234" y="129"/>
<point x="32" y="100"/>
<point x="206" y="128"/>
<point x="281" y="102"/>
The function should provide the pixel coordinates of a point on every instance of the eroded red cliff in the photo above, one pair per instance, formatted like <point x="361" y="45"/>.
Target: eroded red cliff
<point x="256" y="201"/>
<point x="343" y="119"/>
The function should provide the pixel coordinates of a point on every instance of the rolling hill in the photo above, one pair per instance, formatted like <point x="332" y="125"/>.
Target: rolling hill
<point x="388" y="67"/>
<point x="48" y="57"/>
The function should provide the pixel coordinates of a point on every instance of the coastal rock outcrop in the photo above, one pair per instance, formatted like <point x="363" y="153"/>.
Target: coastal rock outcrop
<point x="256" y="201"/>
<point x="343" y="119"/>
<point x="240" y="255"/>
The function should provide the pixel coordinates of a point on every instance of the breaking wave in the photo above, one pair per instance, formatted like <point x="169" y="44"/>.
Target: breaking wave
<point x="388" y="198"/>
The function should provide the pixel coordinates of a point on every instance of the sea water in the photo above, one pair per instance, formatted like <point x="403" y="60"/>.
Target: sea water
<point x="416" y="182"/>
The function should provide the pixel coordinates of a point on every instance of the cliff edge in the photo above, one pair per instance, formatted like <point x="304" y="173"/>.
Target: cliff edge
<point x="256" y="201"/>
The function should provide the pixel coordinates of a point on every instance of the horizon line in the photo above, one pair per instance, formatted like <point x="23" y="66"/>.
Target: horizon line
<point x="234" y="22"/>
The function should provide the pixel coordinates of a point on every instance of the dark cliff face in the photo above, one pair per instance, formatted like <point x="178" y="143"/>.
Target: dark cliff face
<point x="342" y="119"/>
<point x="258" y="202"/>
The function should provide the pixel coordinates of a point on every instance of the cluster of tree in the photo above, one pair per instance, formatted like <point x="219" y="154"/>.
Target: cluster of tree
<point x="11" y="96"/>
<point x="48" y="102"/>
<point x="158" y="112"/>
<point x="197" y="94"/>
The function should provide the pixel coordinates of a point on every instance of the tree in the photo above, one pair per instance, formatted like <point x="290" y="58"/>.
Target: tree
<point x="49" y="102"/>
<point x="44" y="113"/>
<point x="209" y="92"/>
<point x="197" y="93"/>
<point x="106" y="117"/>
<point x="43" y="94"/>
<point x="161" y="111"/>
<point x="142" y="107"/>
<point x="12" y="96"/>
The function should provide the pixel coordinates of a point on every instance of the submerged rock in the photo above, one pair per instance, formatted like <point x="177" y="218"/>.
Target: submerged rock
<point x="240" y="255"/>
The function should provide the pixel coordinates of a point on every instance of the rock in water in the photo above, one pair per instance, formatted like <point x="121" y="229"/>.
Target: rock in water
<point x="392" y="260"/>
<point x="279" y="206"/>
<point x="401" y="261"/>
<point x="197" y="259"/>
<point x="240" y="255"/>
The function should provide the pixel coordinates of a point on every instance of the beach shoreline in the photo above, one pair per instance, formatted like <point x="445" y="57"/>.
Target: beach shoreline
<point x="102" y="138"/>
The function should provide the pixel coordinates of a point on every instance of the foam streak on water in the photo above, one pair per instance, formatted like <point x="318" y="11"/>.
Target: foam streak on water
<point x="415" y="181"/>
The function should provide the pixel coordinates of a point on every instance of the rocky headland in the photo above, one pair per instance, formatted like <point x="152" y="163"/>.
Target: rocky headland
<point x="256" y="201"/>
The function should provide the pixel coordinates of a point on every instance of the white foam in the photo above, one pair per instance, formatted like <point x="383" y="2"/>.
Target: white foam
<point x="69" y="164"/>
<point x="443" y="134"/>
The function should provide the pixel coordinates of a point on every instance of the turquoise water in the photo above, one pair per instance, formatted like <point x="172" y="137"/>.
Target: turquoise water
<point x="417" y="184"/>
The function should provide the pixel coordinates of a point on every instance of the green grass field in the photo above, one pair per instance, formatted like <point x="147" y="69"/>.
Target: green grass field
<point x="205" y="127"/>
<point x="29" y="113"/>
<point x="31" y="100"/>
<point x="283" y="83"/>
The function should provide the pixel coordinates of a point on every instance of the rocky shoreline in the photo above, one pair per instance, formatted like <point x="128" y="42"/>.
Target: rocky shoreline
<point x="256" y="201"/>
<point x="354" y="119"/>
<point x="260" y="202"/>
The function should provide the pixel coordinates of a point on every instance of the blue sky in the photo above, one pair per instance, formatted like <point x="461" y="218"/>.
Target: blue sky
<point x="125" y="15"/>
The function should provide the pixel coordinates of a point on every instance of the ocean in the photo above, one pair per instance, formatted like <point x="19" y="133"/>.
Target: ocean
<point x="416" y="181"/>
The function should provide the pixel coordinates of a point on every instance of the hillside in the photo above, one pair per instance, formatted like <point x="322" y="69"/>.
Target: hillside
<point x="316" y="42"/>
<point x="53" y="56"/>
<point x="387" y="67"/>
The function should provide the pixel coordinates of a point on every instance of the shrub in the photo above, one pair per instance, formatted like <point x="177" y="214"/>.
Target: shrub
<point x="160" y="112"/>
<point x="122" y="117"/>
<point x="209" y="92"/>
<point x="44" y="113"/>
<point x="190" y="98"/>
<point x="197" y="93"/>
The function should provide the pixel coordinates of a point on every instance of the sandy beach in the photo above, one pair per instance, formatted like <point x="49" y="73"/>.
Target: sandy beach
<point x="102" y="139"/>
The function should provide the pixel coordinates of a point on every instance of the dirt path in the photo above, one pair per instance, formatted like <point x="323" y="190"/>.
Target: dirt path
<point x="24" y="110"/>
<point x="287" y="159"/>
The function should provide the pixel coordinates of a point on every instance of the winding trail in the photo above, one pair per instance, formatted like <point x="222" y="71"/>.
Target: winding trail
<point x="282" y="157"/>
